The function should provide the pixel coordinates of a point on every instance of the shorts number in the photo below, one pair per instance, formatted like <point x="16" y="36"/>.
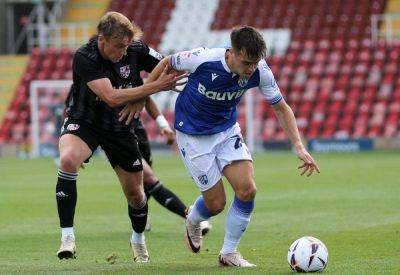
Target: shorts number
<point x="238" y="142"/>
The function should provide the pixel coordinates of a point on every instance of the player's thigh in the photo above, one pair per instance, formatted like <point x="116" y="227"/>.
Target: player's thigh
<point x="199" y="160"/>
<point x="122" y="150"/>
<point x="232" y="148"/>
<point x="144" y="145"/>
<point x="77" y="143"/>
<point x="73" y="151"/>
<point x="240" y="174"/>
<point x="149" y="177"/>
<point x="235" y="161"/>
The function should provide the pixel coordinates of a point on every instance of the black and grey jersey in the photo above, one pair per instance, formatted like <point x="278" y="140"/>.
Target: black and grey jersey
<point x="88" y="65"/>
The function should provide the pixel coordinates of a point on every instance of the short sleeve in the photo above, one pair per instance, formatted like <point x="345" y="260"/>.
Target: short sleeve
<point x="188" y="60"/>
<point x="148" y="57"/>
<point x="268" y="86"/>
<point x="87" y="69"/>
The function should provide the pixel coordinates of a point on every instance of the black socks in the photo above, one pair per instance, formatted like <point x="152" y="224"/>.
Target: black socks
<point x="166" y="198"/>
<point x="66" y="196"/>
<point x="138" y="215"/>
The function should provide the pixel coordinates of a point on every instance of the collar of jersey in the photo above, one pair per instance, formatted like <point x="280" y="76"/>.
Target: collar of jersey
<point x="223" y="61"/>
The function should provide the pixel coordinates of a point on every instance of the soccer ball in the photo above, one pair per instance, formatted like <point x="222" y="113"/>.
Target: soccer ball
<point x="307" y="254"/>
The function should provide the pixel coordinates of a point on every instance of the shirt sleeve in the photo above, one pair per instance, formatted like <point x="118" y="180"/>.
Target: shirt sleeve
<point x="87" y="69"/>
<point x="268" y="86"/>
<point x="148" y="57"/>
<point x="188" y="60"/>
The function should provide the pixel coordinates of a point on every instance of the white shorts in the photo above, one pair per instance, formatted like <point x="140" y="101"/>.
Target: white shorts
<point x="206" y="156"/>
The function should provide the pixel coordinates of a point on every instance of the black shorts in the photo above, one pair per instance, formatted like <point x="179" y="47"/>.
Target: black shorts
<point x="121" y="148"/>
<point x="143" y="141"/>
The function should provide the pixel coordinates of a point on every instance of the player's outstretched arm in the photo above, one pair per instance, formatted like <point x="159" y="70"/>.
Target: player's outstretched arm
<point x="157" y="71"/>
<point x="115" y="97"/>
<point x="288" y="122"/>
<point x="165" y="65"/>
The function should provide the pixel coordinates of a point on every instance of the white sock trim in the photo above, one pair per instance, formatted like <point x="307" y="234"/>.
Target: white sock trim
<point x="67" y="231"/>
<point x="137" y="237"/>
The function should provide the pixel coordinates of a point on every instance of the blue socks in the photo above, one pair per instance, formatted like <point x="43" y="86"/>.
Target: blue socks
<point x="237" y="220"/>
<point x="199" y="211"/>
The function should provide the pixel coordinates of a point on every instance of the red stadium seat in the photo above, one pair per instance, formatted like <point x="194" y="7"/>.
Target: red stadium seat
<point x="336" y="81"/>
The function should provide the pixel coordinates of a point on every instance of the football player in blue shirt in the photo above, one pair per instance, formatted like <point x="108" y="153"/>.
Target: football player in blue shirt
<point x="210" y="139"/>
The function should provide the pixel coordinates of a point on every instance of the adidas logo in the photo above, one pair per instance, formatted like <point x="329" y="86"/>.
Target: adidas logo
<point x="61" y="194"/>
<point x="136" y="163"/>
<point x="213" y="76"/>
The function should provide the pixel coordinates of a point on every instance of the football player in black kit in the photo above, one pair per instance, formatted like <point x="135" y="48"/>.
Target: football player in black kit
<point x="104" y="72"/>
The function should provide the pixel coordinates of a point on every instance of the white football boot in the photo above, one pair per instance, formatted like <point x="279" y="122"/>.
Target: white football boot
<point x="139" y="251"/>
<point x="68" y="248"/>
<point x="193" y="237"/>
<point x="234" y="259"/>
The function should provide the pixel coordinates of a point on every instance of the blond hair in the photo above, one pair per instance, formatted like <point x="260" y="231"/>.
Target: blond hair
<point x="116" y="25"/>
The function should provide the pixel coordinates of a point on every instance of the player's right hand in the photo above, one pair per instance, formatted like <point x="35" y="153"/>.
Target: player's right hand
<point x="169" y="134"/>
<point x="130" y="111"/>
<point x="309" y="164"/>
<point x="168" y="79"/>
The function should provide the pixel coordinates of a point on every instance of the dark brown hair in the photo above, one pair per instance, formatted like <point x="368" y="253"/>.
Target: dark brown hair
<point x="116" y="25"/>
<point x="248" y="40"/>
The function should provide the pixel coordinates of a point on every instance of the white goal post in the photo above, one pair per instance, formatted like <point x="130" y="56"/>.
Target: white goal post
<point x="37" y="87"/>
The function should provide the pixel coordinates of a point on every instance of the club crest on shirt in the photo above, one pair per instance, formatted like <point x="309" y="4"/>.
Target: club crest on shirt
<point x="124" y="71"/>
<point x="72" y="127"/>
<point x="242" y="82"/>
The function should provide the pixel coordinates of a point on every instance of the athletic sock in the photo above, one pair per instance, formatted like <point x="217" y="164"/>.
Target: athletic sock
<point x="138" y="215"/>
<point x="237" y="220"/>
<point x="166" y="198"/>
<point x="199" y="211"/>
<point x="66" y="196"/>
<point x="67" y="231"/>
<point x="137" y="237"/>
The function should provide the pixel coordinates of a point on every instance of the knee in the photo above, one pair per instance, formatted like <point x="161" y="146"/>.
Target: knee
<point x="135" y="198"/>
<point x="248" y="193"/>
<point x="216" y="206"/>
<point x="149" y="179"/>
<point x="69" y="162"/>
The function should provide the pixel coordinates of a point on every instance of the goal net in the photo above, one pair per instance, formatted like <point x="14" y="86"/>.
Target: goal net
<point x="47" y="102"/>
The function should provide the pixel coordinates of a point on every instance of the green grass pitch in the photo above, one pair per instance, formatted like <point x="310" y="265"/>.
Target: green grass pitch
<point x="353" y="206"/>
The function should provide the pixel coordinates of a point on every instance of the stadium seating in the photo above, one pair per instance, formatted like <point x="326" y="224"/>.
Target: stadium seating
<point x="308" y="19"/>
<point x="50" y="64"/>
<point x="347" y="90"/>
<point x="338" y="84"/>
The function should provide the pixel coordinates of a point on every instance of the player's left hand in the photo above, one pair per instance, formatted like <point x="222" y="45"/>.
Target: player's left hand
<point x="130" y="111"/>
<point x="169" y="134"/>
<point x="309" y="164"/>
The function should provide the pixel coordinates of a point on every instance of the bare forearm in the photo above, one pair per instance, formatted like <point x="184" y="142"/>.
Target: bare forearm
<point x="157" y="71"/>
<point x="123" y="96"/>
<point x="288" y="123"/>
<point x="160" y="80"/>
<point x="151" y="108"/>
